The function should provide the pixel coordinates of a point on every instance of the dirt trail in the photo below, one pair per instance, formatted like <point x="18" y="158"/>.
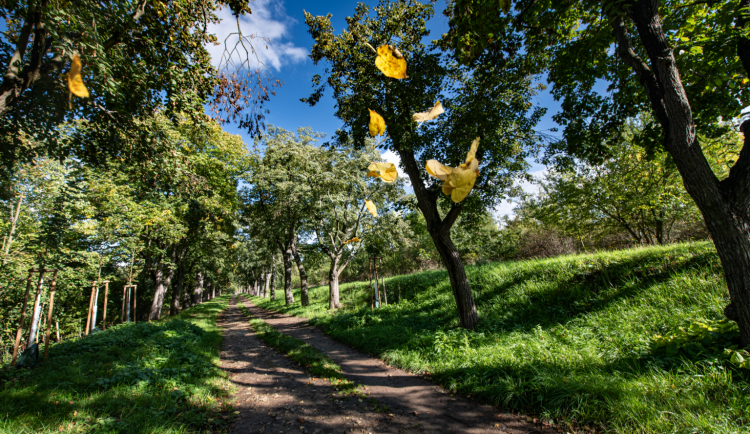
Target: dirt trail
<point x="414" y="405"/>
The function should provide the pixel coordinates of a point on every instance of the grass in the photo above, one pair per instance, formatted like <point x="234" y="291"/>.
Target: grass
<point x="159" y="377"/>
<point x="574" y="339"/>
<point x="317" y="363"/>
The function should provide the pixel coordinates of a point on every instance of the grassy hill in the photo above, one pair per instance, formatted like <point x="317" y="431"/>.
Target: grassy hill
<point x="159" y="377"/>
<point x="626" y="341"/>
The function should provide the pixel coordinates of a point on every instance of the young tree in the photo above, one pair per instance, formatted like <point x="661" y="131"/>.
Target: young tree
<point x="279" y="194"/>
<point x="489" y="101"/>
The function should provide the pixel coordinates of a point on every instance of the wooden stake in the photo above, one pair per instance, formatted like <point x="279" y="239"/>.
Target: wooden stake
<point x="20" y="321"/>
<point x="104" y="308"/>
<point x="372" y="291"/>
<point x="36" y="307"/>
<point x="385" y="296"/>
<point x="91" y="306"/>
<point x="49" y="314"/>
<point x="135" y="294"/>
<point x="122" y="313"/>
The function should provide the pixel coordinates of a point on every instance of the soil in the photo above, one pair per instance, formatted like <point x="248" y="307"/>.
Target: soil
<point x="275" y="395"/>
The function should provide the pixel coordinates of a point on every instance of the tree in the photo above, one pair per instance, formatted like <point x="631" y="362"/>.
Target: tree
<point x="489" y="101"/>
<point x="687" y="63"/>
<point x="280" y="194"/>
<point x="339" y="191"/>
<point x="138" y="57"/>
<point x="631" y="190"/>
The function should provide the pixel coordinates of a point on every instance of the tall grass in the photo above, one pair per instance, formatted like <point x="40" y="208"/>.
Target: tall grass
<point x="132" y="378"/>
<point x="570" y="339"/>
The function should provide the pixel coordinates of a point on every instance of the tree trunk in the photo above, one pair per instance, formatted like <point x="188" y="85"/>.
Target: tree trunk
<point x="161" y="279"/>
<point x="439" y="230"/>
<point x="286" y="256"/>
<point x="177" y="290"/>
<point x="198" y="290"/>
<point x="209" y="290"/>
<point x="723" y="204"/>
<point x="333" y="284"/>
<point x="302" y="274"/>
<point x="267" y="285"/>
<point x="272" y="287"/>
<point x="255" y="288"/>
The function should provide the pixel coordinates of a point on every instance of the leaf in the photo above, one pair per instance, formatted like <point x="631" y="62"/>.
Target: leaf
<point x="371" y="207"/>
<point x="430" y="114"/>
<point x="472" y="151"/>
<point x="459" y="181"/>
<point x="352" y="240"/>
<point x="377" y="124"/>
<point x="736" y="358"/>
<point x="438" y="170"/>
<point x="75" y="81"/>
<point x="390" y="62"/>
<point x="385" y="171"/>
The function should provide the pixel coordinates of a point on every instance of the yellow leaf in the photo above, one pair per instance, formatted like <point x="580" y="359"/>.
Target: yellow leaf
<point x="377" y="124"/>
<point x="438" y="170"/>
<point x="352" y="240"/>
<point x="391" y="62"/>
<point x="430" y="114"/>
<point x="75" y="81"/>
<point x="371" y="207"/>
<point x="472" y="151"/>
<point x="385" y="171"/>
<point x="458" y="182"/>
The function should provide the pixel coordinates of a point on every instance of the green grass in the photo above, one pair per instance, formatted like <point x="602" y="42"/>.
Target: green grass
<point x="572" y="339"/>
<point x="317" y="363"/>
<point x="159" y="377"/>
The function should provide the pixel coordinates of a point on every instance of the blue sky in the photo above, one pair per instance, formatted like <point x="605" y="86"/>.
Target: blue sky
<point x="282" y="22"/>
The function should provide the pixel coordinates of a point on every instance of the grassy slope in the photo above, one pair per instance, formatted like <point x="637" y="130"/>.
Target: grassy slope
<point x="133" y="378"/>
<point x="568" y="338"/>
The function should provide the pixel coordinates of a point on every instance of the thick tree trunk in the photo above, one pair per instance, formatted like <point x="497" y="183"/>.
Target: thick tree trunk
<point x="198" y="290"/>
<point x="439" y="230"/>
<point x="272" y="287"/>
<point x="286" y="256"/>
<point x="161" y="279"/>
<point x="723" y="204"/>
<point x="255" y="288"/>
<point x="333" y="284"/>
<point x="302" y="274"/>
<point x="177" y="290"/>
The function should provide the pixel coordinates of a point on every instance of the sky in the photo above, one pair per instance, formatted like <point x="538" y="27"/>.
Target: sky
<point x="285" y="54"/>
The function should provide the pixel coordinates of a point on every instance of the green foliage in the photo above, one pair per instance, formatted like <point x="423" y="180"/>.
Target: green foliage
<point x="132" y="378"/>
<point x="569" y="338"/>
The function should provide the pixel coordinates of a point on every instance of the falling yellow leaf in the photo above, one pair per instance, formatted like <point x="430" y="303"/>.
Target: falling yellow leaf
<point x="391" y="62"/>
<point x="75" y="81"/>
<point x="458" y="182"/>
<point x="377" y="124"/>
<point x="472" y="151"/>
<point x="352" y="240"/>
<point x="438" y="170"/>
<point x="430" y="114"/>
<point x="371" y="207"/>
<point x="385" y="171"/>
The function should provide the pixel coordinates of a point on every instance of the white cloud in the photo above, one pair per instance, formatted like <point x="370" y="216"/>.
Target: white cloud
<point x="506" y="207"/>
<point x="267" y="29"/>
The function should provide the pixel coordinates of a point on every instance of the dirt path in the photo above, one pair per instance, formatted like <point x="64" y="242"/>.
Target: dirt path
<point x="272" y="384"/>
